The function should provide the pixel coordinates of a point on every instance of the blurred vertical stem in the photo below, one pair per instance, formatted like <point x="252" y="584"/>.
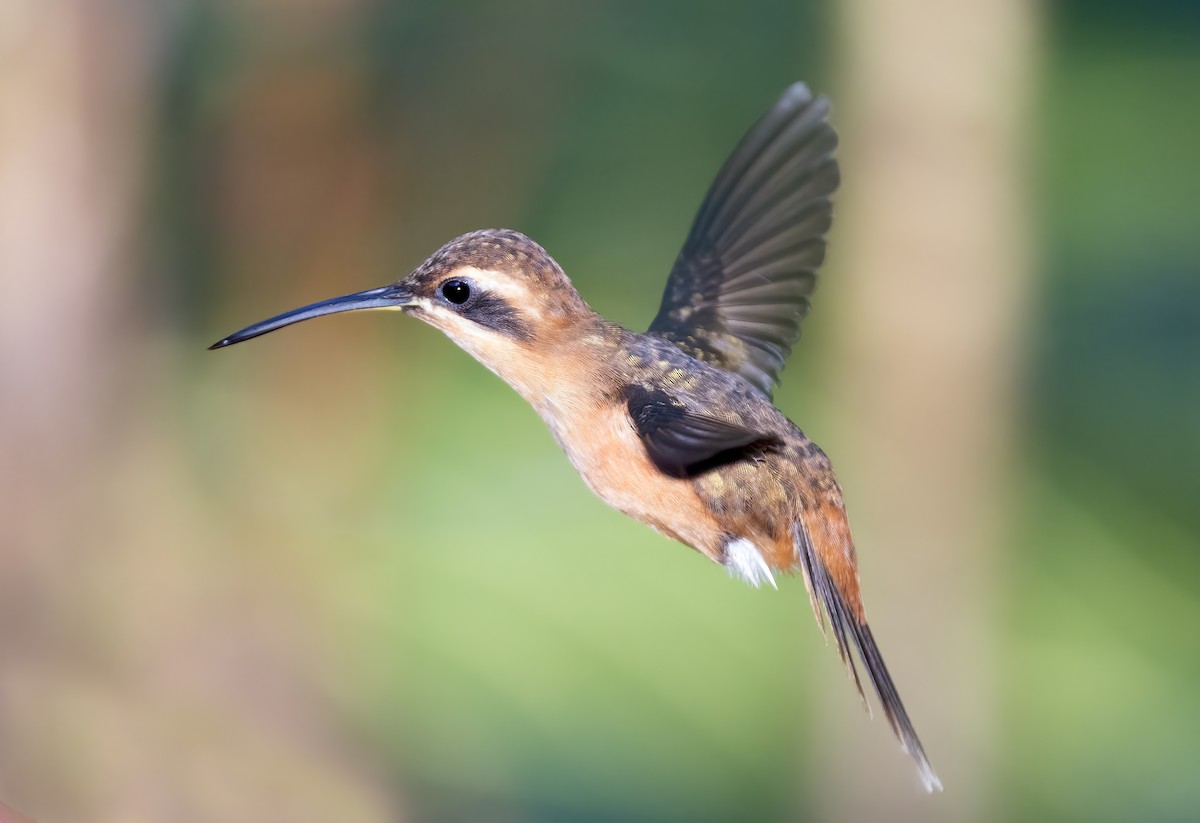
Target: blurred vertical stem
<point x="934" y="272"/>
<point x="72" y="105"/>
<point x="73" y="98"/>
<point x="139" y="677"/>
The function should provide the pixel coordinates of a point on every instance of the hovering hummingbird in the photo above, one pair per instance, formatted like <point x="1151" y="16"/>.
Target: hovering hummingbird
<point x="675" y="427"/>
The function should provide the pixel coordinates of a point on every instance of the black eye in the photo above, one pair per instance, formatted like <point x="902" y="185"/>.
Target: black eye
<point x="456" y="291"/>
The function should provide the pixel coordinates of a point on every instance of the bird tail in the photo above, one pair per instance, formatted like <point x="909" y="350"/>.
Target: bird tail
<point x="849" y="625"/>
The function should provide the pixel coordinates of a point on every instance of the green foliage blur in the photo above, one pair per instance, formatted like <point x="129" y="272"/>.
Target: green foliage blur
<point x="1103" y="656"/>
<point x="413" y="574"/>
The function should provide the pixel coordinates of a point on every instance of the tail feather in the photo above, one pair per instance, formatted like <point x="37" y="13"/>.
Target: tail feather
<point x="847" y="623"/>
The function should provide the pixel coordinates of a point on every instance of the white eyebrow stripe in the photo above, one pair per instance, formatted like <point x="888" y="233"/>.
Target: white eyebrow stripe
<point x="509" y="287"/>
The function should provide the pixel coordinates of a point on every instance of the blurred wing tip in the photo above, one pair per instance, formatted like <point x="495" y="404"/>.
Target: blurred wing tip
<point x="798" y="91"/>
<point x="799" y="94"/>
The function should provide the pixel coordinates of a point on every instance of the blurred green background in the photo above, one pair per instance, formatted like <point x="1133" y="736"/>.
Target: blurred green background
<point x="344" y="573"/>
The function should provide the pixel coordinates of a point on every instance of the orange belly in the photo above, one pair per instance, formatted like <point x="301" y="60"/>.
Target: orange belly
<point x="607" y="452"/>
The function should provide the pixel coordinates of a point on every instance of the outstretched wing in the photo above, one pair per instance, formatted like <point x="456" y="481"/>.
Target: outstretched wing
<point x="740" y="286"/>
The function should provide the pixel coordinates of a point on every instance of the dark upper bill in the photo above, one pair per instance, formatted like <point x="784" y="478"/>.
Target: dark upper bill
<point x="385" y="297"/>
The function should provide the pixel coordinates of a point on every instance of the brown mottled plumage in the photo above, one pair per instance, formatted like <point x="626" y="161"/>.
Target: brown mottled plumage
<point x="675" y="427"/>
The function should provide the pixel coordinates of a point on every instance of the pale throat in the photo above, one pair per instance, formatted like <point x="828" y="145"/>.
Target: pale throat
<point x="562" y="373"/>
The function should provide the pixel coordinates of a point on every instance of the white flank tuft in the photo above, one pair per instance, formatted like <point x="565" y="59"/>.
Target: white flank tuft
<point x="744" y="560"/>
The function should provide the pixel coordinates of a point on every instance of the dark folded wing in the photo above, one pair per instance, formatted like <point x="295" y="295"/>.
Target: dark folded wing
<point x="682" y="442"/>
<point x="740" y="286"/>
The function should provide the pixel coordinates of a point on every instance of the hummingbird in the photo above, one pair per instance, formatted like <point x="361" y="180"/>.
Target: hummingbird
<point x="676" y="426"/>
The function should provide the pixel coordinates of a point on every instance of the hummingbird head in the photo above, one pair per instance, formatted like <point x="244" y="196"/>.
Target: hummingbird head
<point x="496" y="293"/>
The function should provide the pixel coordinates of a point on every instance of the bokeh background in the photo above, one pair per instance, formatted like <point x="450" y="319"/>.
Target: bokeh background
<point x="343" y="573"/>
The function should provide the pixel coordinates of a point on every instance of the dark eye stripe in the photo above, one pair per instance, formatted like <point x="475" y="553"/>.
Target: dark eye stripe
<point x="493" y="312"/>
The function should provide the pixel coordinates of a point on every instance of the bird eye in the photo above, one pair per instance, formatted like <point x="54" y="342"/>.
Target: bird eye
<point x="456" y="291"/>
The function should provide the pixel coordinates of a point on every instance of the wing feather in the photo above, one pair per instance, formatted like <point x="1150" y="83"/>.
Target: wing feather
<point x="741" y="283"/>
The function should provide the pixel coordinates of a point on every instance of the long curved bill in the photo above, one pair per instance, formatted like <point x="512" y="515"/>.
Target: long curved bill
<point x="394" y="296"/>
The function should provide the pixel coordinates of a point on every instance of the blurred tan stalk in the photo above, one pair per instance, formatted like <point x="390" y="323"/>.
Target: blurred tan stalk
<point x="136" y="684"/>
<point x="935" y="108"/>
